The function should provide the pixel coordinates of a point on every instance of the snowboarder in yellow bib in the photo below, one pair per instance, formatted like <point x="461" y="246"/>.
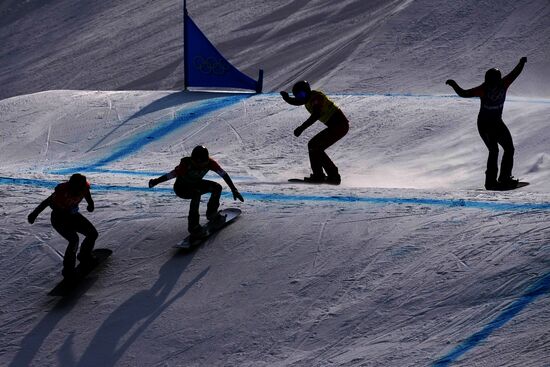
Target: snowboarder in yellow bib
<point x="323" y="109"/>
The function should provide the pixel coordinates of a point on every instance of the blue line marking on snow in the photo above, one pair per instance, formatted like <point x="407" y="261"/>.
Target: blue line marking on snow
<point x="152" y="173"/>
<point x="487" y="205"/>
<point x="52" y="184"/>
<point x="28" y="182"/>
<point x="539" y="288"/>
<point x="139" y="141"/>
<point x="428" y="96"/>
<point x="484" y="205"/>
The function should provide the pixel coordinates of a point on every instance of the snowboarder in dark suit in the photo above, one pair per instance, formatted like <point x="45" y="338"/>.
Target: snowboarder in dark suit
<point x="323" y="109"/>
<point x="491" y="128"/>
<point x="191" y="185"/>
<point x="67" y="220"/>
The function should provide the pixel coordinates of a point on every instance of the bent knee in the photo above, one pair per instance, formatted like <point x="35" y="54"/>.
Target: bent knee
<point x="92" y="234"/>
<point x="312" y="145"/>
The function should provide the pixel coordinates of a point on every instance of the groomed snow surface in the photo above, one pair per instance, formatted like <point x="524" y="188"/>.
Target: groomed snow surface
<point x="407" y="263"/>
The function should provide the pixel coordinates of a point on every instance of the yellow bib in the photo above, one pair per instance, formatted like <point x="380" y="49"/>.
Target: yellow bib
<point x="320" y="103"/>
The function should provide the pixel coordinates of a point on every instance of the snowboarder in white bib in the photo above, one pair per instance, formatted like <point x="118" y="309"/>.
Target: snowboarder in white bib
<point x="491" y="128"/>
<point x="191" y="185"/>
<point x="323" y="109"/>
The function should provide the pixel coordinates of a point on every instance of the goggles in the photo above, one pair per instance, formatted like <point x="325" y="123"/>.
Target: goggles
<point x="301" y="95"/>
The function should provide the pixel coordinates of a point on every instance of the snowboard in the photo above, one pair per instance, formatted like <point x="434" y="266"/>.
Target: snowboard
<point x="211" y="227"/>
<point x="67" y="285"/>
<point x="301" y="180"/>
<point x="520" y="184"/>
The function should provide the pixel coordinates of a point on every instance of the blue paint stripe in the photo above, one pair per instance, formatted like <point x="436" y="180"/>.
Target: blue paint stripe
<point x="428" y="96"/>
<point x="483" y="205"/>
<point x="52" y="184"/>
<point x="539" y="288"/>
<point x="150" y="174"/>
<point x="28" y="182"/>
<point x="486" y="205"/>
<point x="138" y="142"/>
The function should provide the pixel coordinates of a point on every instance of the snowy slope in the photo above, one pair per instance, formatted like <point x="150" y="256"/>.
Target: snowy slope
<point x="407" y="263"/>
<point x="386" y="270"/>
<point x="341" y="46"/>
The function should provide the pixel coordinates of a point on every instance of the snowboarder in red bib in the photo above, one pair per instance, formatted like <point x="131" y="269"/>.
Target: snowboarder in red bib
<point x="191" y="185"/>
<point x="67" y="221"/>
<point x="491" y="128"/>
<point x="323" y="109"/>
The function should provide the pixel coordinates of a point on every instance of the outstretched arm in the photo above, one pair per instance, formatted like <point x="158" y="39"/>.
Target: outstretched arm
<point x="290" y="100"/>
<point x="236" y="194"/>
<point x="465" y="93"/>
<point x="43" y="205"/>
<point x="168" y="176"/>
<point x="509" y="79"/>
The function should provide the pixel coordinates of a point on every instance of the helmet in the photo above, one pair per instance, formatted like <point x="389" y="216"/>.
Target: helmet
<point x="199" y="154"/>
<point x="493" y="76"/>
<point x="77" y="182"/>
<point x="301" y="89"/>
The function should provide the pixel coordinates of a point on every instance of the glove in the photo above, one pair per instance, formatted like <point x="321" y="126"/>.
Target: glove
<point x="284" y="94"/>
<point x="298" y="131"/>
<point x="450" y="82"/>
<point x="90" y="207"/>
<point x="152" y="183"/>
<point x="523" y="59"/>
<point x="237" y="195"/>
<point x="32" y="217"/>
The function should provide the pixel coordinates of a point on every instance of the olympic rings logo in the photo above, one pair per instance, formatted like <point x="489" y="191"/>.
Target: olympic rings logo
<point x="210" y="65"/>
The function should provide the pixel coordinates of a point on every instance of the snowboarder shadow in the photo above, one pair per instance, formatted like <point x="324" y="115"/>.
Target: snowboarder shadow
<point x="32" y="342"/>
<point x="118" y="332"/>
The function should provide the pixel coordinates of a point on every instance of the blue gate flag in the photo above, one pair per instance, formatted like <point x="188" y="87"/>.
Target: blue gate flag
<point x="206" y="67"/>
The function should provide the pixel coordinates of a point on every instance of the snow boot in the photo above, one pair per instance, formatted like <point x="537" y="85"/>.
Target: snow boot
<point x="315" y="178"/>
<point x="216" y="219"/>
<point x="491" y="185"/>
<point x="87" y="259"/>
<point x="197" y="232"/>
<point x="334" y="180"/>
<point x="507" y="183"/>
